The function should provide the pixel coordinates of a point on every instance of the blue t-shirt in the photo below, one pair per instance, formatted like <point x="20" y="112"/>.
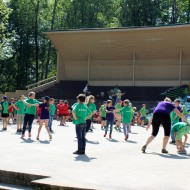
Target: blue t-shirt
<point x="44" y="111"/>
<point x="110" y="116"/>
<point x="164" y="107"/>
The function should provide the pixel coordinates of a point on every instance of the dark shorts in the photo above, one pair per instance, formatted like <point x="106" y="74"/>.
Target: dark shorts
<point x="4" y="115"/>
<point x="158" y="119"/>
<point x="103" y="119"/>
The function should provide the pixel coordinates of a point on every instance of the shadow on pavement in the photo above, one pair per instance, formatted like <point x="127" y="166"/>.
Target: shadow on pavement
<point x="44" y="142"/>
<point x="172" y="156"/>
<point x="92" y="142"/>
<point x="130" y="141"/>
<point x="134" y="133"/>
<point x="112" y="140"/>
<point x="84" y="158"/>
<point x="27" y="140"/>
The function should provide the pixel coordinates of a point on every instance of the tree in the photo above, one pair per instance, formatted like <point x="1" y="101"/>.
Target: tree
<point x="6" y="36"/>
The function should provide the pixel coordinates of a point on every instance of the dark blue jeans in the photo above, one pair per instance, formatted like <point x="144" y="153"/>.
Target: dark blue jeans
<point x="51" y="117"/>
<point x="109" y="122"/>
<point x="81" y="131"/>
<point x="28" y="120"/>
<point x="88" y="124"/>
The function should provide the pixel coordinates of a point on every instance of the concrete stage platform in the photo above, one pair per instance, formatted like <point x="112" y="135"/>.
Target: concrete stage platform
<point x="107" y="165"/>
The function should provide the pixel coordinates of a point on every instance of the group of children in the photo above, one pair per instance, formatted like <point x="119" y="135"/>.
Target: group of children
<point x="26" y="112"/>
<point x="82" y="115"/>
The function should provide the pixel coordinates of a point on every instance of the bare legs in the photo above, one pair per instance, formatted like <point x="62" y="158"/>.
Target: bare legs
<point x="47" y="128"/>
<point x="165" y="142"/>
<point x="149" y="140"/>
<point x="5" y="123"/>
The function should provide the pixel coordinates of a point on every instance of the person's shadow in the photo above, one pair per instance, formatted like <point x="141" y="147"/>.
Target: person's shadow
<point x="44" y="142"/>
<point x="93" y="142"/>
<point x="29" y="140"/>
<point x="113" y="140"/>
<point x="84" y="158"/>
<point x="172" y="156"/>
<point x="132" y="142"/>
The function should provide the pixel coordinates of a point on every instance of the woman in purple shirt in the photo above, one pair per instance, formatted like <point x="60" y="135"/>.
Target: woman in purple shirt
<point x="44" y="116"/>
<point x="161" y="115"/>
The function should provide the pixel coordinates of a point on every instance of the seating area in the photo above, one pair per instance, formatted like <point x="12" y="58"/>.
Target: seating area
<point x="176" y="92"/>
<point x="69" y="90"/>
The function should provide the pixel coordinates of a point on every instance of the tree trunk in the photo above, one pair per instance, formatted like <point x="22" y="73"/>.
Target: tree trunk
<point x="49" y="44"/>
<point x="174" y="12"/>
<point x="36" y="39"/>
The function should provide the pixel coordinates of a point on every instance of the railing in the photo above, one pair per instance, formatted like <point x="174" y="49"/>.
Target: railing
<point x="41" y="83"/>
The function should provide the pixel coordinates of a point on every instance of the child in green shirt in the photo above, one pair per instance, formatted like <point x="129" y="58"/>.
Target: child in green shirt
<point x="20" y="107"/>
<point x="181" y="129"/>
<point x="90" y="102"/>
<point x="118" y="115"/>
<point x="5" y="113"/>
<point x="143" y="112"/>
<point x="52" y="109"/>
<point x="81" y="113"/>
<point x="102" y="111"/>
<point x="127" y="115"/>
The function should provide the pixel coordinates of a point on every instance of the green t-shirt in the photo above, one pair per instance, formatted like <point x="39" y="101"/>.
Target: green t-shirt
<point x="118" y="107"/>
<point x="103" y="110"/>
<point x="21" y="106"/>
<point x="82" y="112"/>
<point x="92" y="107"/>
<point x="178" y="126"/>
<point x="185" y="112"/>
<point x="5" y="107"/>
<point x="115" y="90"/>
<point x="143" y="112"/>
<point x="32" y="109"/>
<point x="127" y="114"/>
<point x="174" y="118"/>
<point x="52" y="109"/>
<point x="118" y="94"/>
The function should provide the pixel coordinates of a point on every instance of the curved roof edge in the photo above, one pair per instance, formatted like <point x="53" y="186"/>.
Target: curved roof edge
<point x="121" y="28"/>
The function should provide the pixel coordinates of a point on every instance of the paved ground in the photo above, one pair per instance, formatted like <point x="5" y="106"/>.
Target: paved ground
<point x="108" y="164"/>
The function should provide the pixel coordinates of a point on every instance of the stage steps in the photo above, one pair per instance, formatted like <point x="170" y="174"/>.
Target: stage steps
<point x="10" y="180"/>
<point x="4" y="186"/>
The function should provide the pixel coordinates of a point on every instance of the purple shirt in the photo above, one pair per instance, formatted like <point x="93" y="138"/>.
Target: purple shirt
<point x="110" y="116"/>
<point x="44" y="111"/>
<point x="164" y="107"/>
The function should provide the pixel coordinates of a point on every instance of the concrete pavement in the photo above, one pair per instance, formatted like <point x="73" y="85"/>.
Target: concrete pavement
<point x="107" y="165"/>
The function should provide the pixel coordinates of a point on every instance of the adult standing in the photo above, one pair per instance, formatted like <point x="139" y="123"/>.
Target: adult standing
<point x="30" y="113"/>
<point x="85" y="90"/>
<point x="161" y="115"/>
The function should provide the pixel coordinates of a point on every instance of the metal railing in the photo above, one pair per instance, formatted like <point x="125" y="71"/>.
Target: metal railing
<point x="41" y="83"/>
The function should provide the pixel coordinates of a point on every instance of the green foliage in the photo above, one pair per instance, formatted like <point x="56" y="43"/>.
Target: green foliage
<point x="27" y="56"/>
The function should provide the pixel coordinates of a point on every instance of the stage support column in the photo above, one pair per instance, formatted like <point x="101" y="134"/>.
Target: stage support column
<point x="134" y="59"/>
<point x="61" y="72"/>
<point x="57" y="75"/>
<point x="180" y="66"/>
<point x="88" y="77"/>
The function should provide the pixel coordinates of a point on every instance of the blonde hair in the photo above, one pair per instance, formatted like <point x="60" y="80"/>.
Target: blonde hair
<point x="31" y="94"/>
<point x="167" y="99"/>
<point x="88" y="98"/>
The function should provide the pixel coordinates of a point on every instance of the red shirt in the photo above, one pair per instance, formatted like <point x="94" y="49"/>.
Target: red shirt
<point x="38" y="110"/>
<point x="11" y="109"/>
<point x="63" y="108"/>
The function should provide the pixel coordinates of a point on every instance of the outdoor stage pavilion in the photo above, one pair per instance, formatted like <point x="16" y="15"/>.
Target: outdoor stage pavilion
<point x="147" y="56"/>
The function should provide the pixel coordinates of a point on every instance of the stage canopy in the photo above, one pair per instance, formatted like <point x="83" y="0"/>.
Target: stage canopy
<point x="151" y="56"/>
